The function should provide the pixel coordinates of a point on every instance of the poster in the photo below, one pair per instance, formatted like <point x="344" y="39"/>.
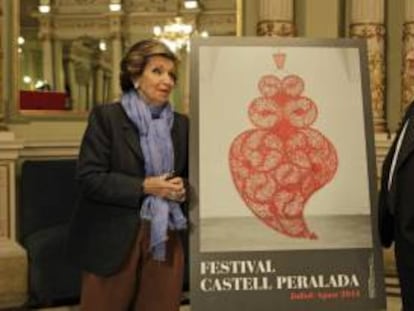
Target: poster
<point x="282" y="167"/>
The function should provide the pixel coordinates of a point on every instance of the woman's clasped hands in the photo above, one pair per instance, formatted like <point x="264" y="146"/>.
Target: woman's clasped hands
<point x="165" y="186"/>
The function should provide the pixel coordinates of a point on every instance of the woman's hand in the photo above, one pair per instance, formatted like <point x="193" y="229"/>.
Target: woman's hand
<point x="171" y="189"/>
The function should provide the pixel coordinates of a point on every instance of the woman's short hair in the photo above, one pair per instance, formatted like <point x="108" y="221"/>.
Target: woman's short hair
<point x="136" y="58"/>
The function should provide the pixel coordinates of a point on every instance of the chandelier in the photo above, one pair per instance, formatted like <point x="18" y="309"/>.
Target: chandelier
<point x="176" y="34"/>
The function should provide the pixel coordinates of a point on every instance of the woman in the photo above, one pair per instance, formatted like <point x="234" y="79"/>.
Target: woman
<point x="131" y="170"/>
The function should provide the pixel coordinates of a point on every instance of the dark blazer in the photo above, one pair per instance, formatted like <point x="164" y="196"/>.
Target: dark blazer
<point x="111" y="173"/>
<point x="396" y="206"/>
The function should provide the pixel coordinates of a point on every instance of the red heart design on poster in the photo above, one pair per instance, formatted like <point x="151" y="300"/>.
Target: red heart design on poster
<point x="279" y="164"/>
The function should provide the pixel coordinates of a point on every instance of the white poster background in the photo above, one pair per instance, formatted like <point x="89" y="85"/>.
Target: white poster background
<point x="229" y="78"/>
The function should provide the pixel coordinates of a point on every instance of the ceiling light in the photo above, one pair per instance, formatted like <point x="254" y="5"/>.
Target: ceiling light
<point x="102" y="45"/>
<point x="44" y="8"/>
<point x="115" y="7"/>
<point x="175" y="34"/>
<point x="27" y="79"/>
<point x="191" y="4"/>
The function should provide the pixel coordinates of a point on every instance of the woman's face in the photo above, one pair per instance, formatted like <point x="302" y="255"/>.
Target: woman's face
<point x="157" y="80"/>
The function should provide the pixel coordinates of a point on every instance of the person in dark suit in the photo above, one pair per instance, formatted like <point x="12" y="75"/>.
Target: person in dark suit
<point x="132" y="167"/>
<point x="396" y="201"/>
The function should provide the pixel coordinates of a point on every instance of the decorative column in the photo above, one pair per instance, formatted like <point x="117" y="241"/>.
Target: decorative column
<point x="45" y="35"/>
<point x="99" y="76"/>
<point x="99" y="81"/>
<point x="1" y="65"/>
<point x="107" y="86"/>
<point x="82" y="76"/>
<point x="10" y="60"/>
<point x="181" y="93"/>
<point x="72" y="86"/>
<point x="116" y="41"/>
<point x="59" y="84"/>
<point x="408" y="45"/>
<point x="13" y="258"/>
<point x="185" y="76"/>
<point x="367" y="22"/>
<point x="276" y="18"/>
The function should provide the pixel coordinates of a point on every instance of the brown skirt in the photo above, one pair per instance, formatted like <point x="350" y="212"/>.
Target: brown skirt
<point x="142" y="284"/>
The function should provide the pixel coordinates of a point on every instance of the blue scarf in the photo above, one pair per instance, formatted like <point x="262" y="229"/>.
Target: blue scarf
<point x="157" y="147"/>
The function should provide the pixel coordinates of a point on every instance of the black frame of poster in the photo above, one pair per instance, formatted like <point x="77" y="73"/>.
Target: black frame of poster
<point x="289" y="279"/>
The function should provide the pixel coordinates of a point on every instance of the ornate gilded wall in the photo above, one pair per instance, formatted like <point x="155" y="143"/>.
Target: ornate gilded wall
<point x="1" y="63"/>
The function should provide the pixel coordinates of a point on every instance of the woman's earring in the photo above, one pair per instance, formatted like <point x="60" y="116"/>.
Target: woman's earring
<point x="136" y="85"/>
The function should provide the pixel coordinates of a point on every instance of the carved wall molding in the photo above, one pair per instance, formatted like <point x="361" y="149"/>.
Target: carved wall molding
<point x="407" y="88"/>
<point x="45" y="28"/>
<point x="276" y="28"/>
<point x="65" y="26"/>
<point x="218" y="4"/>
<point x="141" y="22"/>
<point x="78" y="26"/>
<point x="1" y="66"/>
<point x="276" y="10"/>
<point x="13" y="271"/>
<point x="49" y="149"/>
<point x="276" y="19"/>
<point x="77" y="2"/>
<point x="367" y="11"/>
<point x="4" y="200"/>
<point x="80" y="6"/>
<point x="150" y="6"/>
<point x="218" y="23"/>
<point x="81" y="2"/>
<point x="9" y="152"/>
<point x="367" y="30"/>
<point x="1" y="89"/>
<point x="375" y="34"/>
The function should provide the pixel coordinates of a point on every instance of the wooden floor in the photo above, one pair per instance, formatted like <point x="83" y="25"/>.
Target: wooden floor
<point x="393" y="304"/>
<point x="392" y="290"/>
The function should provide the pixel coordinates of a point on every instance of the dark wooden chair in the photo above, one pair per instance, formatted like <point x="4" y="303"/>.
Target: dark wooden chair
<point x="47" y="199"/>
